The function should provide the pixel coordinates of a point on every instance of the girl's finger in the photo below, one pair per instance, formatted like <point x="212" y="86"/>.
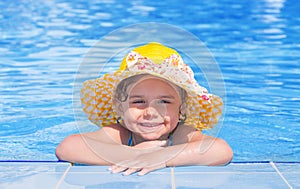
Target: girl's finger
<point x="146" y="170"/>
<point x="117" y="169"/>
<point x="130" y="171"/>
<point x="143" y="172"/>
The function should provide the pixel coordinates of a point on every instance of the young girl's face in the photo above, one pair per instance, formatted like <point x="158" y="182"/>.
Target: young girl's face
<point x="151" y="110"/>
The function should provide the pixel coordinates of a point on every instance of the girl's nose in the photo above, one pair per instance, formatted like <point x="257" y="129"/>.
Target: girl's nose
<point x="154" y="108"/>
<point x="148" y="112"/>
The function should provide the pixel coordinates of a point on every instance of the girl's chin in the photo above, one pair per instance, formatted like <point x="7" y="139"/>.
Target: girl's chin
<point x="149" y="136"/>
<point x="148" y="133"/>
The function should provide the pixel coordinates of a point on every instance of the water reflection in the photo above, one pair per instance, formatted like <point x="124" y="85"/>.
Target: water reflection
<point x="256" y="44"/>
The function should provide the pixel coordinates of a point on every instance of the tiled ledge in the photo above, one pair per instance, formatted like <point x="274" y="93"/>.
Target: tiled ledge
<point x="64" y="175"/>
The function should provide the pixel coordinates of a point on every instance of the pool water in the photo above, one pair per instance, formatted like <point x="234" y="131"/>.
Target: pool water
<point x="256" y="45"/>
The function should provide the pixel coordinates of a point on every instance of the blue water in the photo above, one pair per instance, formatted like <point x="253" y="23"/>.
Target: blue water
<point x="256" y="45"/>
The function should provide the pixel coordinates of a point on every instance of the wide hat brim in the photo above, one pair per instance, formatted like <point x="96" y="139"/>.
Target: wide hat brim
<point x="203" y="109"/>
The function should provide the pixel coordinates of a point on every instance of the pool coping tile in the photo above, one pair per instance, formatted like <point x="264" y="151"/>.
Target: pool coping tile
<point x="32" y="174"/>
<point x="290" y="172"/>
<point x="234" y="175"/>
<point x="101" y="177"/>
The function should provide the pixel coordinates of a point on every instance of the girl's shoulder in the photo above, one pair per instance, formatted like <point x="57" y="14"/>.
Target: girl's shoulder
<point x="185" y="133"/>
<point x="112" y="133"/>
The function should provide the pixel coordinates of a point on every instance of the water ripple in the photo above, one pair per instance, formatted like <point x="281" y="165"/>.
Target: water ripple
<point x="256" y="44"/>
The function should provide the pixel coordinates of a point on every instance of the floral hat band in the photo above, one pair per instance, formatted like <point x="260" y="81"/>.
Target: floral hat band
<point x="203" y="109"/>
<point x="172" y="68"/>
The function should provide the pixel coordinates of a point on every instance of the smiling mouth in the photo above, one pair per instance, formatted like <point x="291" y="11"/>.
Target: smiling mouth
<point x="150" y="124"/>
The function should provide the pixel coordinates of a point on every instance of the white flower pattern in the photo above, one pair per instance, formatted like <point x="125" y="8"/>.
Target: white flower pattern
<point x="172" y="68"/>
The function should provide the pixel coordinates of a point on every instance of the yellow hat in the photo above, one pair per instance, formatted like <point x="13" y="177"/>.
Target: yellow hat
<point x="203" y="109"/>
<point x="153" y="51"/>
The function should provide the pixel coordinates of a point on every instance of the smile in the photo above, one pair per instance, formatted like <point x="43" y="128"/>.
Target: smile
<point x="150" y="124"/>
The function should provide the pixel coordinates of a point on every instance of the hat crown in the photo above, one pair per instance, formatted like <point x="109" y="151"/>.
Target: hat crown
<point x="154" y="51"/>
<point x="159" y="60"/>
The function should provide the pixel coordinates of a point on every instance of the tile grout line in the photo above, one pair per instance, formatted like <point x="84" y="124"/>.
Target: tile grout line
<point x="173" y="178"/>
<point x="280" y="174"/>
<point x="62" y="178"/>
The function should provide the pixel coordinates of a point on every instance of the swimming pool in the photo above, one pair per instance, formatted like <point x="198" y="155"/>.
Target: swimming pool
<point x="256" y="45"/>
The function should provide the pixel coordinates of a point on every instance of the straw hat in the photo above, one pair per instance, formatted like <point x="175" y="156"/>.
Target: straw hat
<point x="203" y="109"/>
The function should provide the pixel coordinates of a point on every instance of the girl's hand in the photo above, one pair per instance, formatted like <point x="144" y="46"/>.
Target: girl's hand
<point x="143" y="164"/>
<point x="145" y="160"/>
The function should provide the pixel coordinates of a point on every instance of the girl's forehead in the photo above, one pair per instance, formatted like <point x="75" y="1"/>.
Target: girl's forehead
<point x="148" y="79"/>
<point x="153" y="84"/>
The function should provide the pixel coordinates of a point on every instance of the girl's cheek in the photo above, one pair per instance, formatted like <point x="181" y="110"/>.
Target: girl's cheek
<point x="167" y="120"/>
<point x="133" y="114"/>
<point x="175" y="120"/>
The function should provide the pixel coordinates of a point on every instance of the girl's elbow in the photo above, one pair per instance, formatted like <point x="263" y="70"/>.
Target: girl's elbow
<point x="59" y="152"/>
<point x="227" y="156"/>
<point x="65" y="149"/>
<point x="224" y="153"/>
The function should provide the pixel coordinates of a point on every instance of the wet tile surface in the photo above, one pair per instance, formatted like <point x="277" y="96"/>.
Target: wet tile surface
<point x="231" y="176"/>
<point x="31" y="175"/>
<point x="291" y="172"/>
<point x="64" y="176"/>
<point x="100" y="177"/>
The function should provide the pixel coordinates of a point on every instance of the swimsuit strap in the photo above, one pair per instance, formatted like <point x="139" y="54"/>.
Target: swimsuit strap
<point x="170" y="139"/>
<point x="130" y="141"/>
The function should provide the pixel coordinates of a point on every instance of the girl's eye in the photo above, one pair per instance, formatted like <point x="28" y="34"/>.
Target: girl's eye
<point x="164" y="102"/>
<point x="138" y="102"/>
<point x="141" y="101"/>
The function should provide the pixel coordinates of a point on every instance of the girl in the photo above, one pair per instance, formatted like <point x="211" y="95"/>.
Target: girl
<point x="151" y="112"/>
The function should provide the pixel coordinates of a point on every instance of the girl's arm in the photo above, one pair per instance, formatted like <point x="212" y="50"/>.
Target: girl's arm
<point x="190" y="148"/>
<point x="201" y="149"/>
<point x="103" y="147"/>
